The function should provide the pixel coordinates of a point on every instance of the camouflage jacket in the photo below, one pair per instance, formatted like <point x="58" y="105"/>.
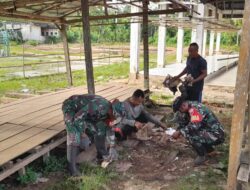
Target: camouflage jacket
<point x="201" y="118"/>
<point x="86" y="112"/>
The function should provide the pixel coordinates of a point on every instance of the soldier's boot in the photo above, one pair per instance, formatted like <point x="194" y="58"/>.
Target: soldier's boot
<point x="201" y="151"/>
<point x="72" y="152"/>
<point x="101" y="149"/>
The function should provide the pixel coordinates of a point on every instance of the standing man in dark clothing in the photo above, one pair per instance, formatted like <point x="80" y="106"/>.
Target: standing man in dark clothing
<point x="197" y="67"/>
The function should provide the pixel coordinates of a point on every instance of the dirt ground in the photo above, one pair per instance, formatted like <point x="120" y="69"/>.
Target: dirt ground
<point x="158" y="164"/>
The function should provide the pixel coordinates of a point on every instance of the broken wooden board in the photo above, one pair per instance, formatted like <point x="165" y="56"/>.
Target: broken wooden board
<point x="145" y="133"/>
<point x="243" y="173"/>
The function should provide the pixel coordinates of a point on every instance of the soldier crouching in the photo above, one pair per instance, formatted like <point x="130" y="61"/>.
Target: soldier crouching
<point x="88" y="118"/>
<point x="203" y="130"/>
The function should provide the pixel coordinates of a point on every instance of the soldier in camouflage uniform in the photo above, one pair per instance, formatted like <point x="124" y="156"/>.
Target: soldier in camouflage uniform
<point x="203" y="130"/>
<point x="88" y="117"/>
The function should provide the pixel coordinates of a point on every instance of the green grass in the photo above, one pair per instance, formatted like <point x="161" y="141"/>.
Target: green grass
<point x="94" y="178"/>
<point x="51" y="82"/>
<point x="161" y="98"/>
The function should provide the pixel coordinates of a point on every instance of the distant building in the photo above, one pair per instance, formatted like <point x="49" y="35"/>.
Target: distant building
<point x="34" y="31"/>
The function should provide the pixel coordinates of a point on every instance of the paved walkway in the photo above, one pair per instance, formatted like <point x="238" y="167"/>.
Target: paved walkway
<point x="225" y="79"/>
<point x="214" y="64"/>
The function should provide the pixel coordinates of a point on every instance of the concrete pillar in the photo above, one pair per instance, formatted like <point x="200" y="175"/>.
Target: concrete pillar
<point x="193" y="35"/>
<point x="135" y="36"/>
<point x="204" y="43"/>
<point x="218" y="37"/>
<point x="161" y="60"/>
<point x="211" y="44"/>
<point x="200" y="28"/>
<point x="180" y="42"/>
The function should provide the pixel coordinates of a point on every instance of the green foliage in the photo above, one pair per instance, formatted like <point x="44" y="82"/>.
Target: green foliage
<point x="74" y="35"/>
<point x="33" y="42"/>
<point x="52" y="39"/>
<point x="54" y="164"/>
<point x="29" y="177"/>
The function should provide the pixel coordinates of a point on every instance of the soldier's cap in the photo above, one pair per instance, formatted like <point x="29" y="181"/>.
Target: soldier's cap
<point x="177" y="103"/>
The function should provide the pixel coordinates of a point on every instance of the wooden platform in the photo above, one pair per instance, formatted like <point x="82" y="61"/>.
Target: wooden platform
<point x="27" y="123"/>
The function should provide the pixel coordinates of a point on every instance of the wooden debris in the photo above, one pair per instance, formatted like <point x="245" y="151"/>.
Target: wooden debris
<point x="123" y="166"/>
<point x="130" y="143"/>
<point x="243" y="174"/>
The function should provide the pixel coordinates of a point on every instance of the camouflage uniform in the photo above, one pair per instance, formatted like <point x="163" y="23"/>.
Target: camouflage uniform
<point x="86" y="114"/>
<point x="203" y="130"/>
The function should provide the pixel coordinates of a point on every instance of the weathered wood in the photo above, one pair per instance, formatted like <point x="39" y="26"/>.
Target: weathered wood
<point x="145" y="44"/>
<point x="87" y="46"/>
<point x="31" y="158"/>
<point x="243" y="174"/>
<point x="66" y="54"/>
<point x="240" y="101"/>
<point x="125" y="15"/>
<point x="26" y="145"/>
<point x="22" y="170"/>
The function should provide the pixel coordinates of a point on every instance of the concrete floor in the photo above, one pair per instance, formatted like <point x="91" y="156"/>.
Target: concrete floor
<point x="214" y="63"/>
<point x="226" y="79"/>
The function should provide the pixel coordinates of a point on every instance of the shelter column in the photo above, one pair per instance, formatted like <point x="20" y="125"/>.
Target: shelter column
<point x="200" y="27"/>
<point x="135" y="36"/>
<point x="240" y="101"/>
<point x="66" y="54"/>
<point x="193" y="35"/>
<point x="145" y="44"/>
<point x="180" y="42"/>
<point x="161" y="51"/>
<point x="204" y="43"/>
<point x="218" y="37"/>
<point x="211" y="43"/>
<point x="87" y="46"/>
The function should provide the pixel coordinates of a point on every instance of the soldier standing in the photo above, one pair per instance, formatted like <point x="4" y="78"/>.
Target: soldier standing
<point x="88" y="117"/>
<point x="202" y="129"/>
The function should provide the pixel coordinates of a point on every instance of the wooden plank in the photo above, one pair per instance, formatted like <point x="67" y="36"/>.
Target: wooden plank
<point x="43" y="118"/>
<point x="243" y="174"/>
<point x="15" y="139"/>
<point x="30" y="108"/>
<point x="240" y="101"/>
<point x="50" y="101"/>
<point x="51" y="122"/>
<point x="26" y="145"/>
<point x="12" y="131"/>
<point x="6" y="127"/>
<point x="31" y="158"/>
<point x="36" y="117"/>
<point x="87" y="46"/>
<point x="59" y="126"/>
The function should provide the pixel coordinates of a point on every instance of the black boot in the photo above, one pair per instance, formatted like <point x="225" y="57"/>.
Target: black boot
<point x="201" y="151"/>
<point x="72" y="152"/>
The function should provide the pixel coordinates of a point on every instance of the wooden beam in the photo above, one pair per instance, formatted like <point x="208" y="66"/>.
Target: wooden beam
<point x="87" y="46"/>
<point x="125" y="15"/>
<point x="240" y="101"/>
<point x="6" y="173"/>
<point x="145" y="43"/>
<point x="63" y="30"/>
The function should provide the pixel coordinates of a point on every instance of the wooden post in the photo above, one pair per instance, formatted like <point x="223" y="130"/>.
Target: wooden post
<point x="145" y="44"/>
<point x="66" y="54"/>
<point x="240" y="101"/>
<point x="87" y="46"/>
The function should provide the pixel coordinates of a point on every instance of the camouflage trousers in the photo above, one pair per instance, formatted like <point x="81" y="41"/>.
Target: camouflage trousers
<point x="202" y="139"/>
<point x="92" y="131"/>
